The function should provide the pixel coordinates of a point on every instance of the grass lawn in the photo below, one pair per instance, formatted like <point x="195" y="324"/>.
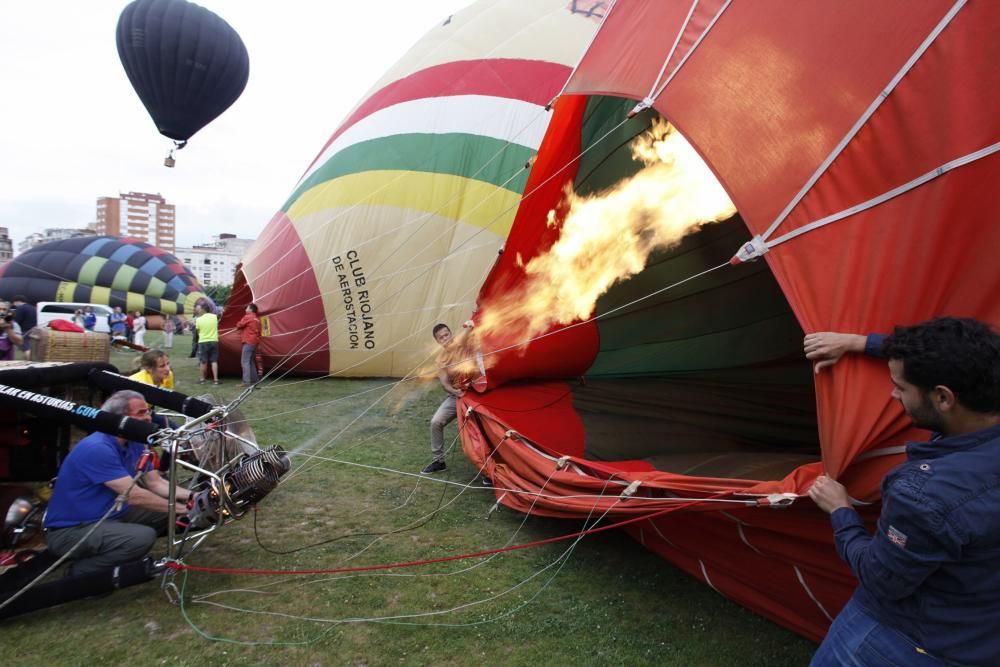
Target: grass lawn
<point x="353" y="500"/>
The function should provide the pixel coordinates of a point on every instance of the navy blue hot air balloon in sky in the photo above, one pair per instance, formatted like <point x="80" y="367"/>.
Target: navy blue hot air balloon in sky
<point x="186" y="64"/>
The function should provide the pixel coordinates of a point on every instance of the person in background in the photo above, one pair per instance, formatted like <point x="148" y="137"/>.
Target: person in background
<point x="193" y="326"/>
<point x="139" y="329"/>
<point x="168" y="331"/>
<point x="78" y="319"/>
<point x="128" y="326"/>
<point x="249" y="327"/>
<point x="97" y="470"/>
<point x="10" y="333"/>
<point x="27" y="319"/>
<point x="929" y="578"/>
<point x="207" y="325"/>
<point x="90" y="319"/>
<point x="118" y="323"/>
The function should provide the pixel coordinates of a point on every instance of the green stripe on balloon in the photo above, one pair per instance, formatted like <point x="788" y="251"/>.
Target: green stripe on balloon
<point x="482" y="158"/>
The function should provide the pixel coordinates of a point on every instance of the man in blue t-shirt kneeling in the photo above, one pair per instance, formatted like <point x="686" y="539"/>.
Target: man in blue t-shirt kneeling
<point x="98" y="469"/>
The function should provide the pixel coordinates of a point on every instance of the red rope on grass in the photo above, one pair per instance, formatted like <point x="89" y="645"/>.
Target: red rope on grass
<point x="174" y="565"/>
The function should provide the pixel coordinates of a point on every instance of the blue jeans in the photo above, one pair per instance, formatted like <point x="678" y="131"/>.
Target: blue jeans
<point x="856" y="639"/>
<point x="249" y="364"/>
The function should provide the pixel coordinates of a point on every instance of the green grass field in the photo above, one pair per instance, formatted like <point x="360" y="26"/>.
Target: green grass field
<point x="353" y="500"/>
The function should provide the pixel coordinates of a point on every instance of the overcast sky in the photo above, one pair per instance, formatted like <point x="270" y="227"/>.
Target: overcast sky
<point x="74" y="130"/>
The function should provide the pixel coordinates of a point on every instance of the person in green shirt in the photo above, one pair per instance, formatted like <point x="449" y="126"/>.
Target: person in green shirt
<point x="207" y="325"/>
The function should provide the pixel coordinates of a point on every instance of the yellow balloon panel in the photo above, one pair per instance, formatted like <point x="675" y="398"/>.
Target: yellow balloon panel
<point x="387" y="278"/>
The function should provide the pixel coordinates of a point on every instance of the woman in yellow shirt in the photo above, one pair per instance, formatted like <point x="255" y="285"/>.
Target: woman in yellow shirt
<point x="154" y="369"/>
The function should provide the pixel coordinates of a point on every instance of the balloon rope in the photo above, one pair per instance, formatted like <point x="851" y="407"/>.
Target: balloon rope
<point x="445" y="559"/>
<point x="403" y="619"/>
<point x="473" y="287"/>
<point x="317" y="192"/>
<point x="413" y="374"/>
<point x="524" y="128"/>
<point x="552" y="176"/>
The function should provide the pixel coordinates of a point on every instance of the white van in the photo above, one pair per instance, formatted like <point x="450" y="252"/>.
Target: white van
<point x="54" y="310"/>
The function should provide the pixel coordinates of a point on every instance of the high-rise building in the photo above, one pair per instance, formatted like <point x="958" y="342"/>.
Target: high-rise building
<point x="6" y="245"/>
<point x="138" y="215"/>
<point x="215" y="263"/>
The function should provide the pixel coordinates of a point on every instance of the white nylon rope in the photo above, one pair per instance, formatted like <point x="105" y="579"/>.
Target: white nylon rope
<point x="452" y="253"/>
<point x="503" y="213"/>
<point x="420" y="219"/>
<point x="694" y="47"/>
<point x="461" y="571"/>
<point x="404" y="619"/>
<point x="650" y="97"/>
<point x="876" y="103"/>
<point x="525" y="196"/>
<point x="886" y="196"/>
<point x="560" y="560"/>
<point x="581" y="323"/>
<point x="641" y="500"/>
<point x="704" y="572"/>
<point x="809" y="592"/>
<point x="453" y="37"/>
<point x="464" y="486"/>
<point x="422" y="268"/>
<point x="583" y="54"/>
<point x="410" y="377"/>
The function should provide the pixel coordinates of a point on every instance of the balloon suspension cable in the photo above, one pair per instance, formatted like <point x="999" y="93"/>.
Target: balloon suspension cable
<point x="169" y="161"/>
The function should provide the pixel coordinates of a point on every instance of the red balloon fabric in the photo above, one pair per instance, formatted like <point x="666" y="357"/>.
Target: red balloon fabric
<point x="859" y="143"/>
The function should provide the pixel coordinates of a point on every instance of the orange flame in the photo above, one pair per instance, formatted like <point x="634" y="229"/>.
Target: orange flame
<point x="607" y="238"/>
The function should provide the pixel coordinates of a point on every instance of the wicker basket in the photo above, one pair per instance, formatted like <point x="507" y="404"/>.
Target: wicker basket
<point x="52" y="345"/>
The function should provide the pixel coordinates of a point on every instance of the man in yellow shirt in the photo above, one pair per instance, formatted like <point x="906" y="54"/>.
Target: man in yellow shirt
<point x="207" y="324"/>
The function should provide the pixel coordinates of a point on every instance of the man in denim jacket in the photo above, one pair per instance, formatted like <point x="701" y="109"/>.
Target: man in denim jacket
<point x="929" y="578"/>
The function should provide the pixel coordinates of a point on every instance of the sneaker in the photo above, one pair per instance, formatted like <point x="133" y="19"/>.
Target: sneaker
<point x="201" y="381"/>
<point x="216" y="382"/>
<point x="433" y="467"/>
